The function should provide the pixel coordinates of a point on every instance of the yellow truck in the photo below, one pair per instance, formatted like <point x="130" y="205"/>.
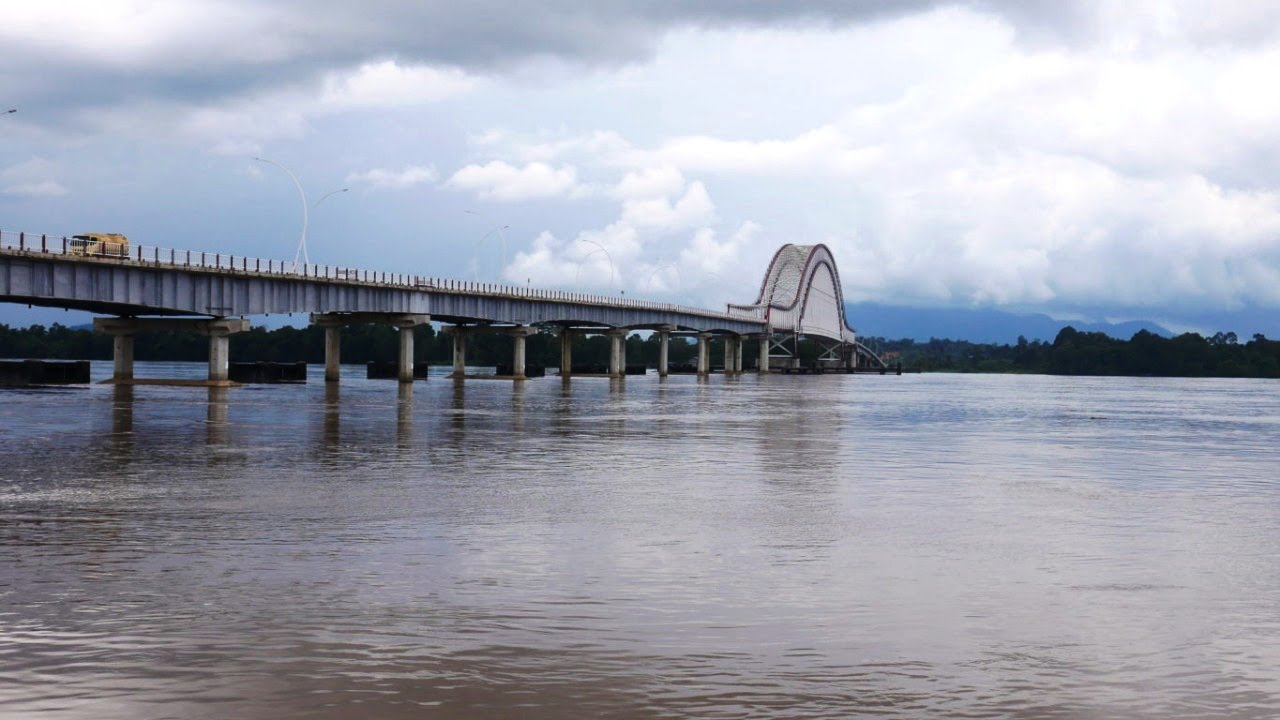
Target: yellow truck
<point x="99" y="245"/>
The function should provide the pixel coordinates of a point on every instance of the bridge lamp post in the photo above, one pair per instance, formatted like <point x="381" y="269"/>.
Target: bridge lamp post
<point x="302" y="242"/>
<point x="660" y="267"/>
<point x="327" y="196"/>
<point x="475" y="256"/>
<point x="600" y="248"/>
<point x="502" y="236"/>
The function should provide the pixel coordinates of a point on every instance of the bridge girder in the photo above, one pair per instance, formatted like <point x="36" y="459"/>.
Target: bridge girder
<point x="146" y="287"/>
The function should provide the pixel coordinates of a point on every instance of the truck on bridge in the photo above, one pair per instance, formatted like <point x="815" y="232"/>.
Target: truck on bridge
<point x="99" y="245"/>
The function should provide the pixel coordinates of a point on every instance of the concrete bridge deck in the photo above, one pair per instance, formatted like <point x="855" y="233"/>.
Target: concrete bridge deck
<point x="155" y="281"/>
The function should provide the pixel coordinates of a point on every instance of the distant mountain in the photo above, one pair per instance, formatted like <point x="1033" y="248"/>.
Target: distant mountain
<point x="977" y="325"/>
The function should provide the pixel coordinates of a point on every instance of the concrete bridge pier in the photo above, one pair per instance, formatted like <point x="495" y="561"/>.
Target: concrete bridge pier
<point x="459" y="333"/>
<point x="518" y="335"/>
<point x="738" y="346"/>
<point x="122" y="356"/>
<point x="219" y="354"/>
<point x="334" y="322"/>
<point x="618" y="352"/>
<point x="218" y="330"/>
<point x="405" y="374"/>
<point x="732" y="352"/>
<point x="664" y="345"/>
<point x="332" y="353"/>
<point x="763" y="367"/>
<point x="704" y="354"/>
<point x="566" y="352"/>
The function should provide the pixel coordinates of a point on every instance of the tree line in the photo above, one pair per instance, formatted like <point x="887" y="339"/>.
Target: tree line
<point x="1093" y="353"/>
<point x="1071" y="353"/>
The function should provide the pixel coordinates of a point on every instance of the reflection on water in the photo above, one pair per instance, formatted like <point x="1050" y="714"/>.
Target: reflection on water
<point x="331" y="427"/>
<point x="219" y="425"/>
<point x="122" y="421"/>
<point x="787" y="547"/>
<point x="404" y="415"/>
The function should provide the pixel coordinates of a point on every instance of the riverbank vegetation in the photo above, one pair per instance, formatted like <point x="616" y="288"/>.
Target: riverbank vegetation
<point x="1071" y="352"/>
<point x="1091" y="353"/>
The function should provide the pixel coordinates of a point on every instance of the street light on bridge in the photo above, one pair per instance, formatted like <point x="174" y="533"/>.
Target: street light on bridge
<point x="599" y="248"/>
<point x="302" y="242"/>
<point x="327" y="195"/>
<point x="475" y="255"/>
<point x="664" y="265"/>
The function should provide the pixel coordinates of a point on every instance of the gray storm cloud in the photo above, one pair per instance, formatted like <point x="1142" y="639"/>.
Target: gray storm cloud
<point x="73" y="55"/>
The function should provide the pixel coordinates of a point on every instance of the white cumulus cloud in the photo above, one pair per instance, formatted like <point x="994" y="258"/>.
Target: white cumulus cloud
<point x="386" y="179"/>
<point x="36" y="177"/>
<point x="650" y="182"/>
<point x="498" y="180"/>
<point x="693" y="209"/>
<point x="389" y="84"/>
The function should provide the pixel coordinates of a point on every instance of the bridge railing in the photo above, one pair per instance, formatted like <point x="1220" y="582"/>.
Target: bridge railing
<point x="154" y="256"/>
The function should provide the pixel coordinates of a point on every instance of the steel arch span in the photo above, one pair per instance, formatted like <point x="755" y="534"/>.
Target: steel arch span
<point x="801" y="296"/>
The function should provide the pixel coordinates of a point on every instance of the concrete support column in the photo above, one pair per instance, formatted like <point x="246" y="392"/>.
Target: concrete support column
<point x="459" y="351"/>
<point x="122" y="357"/>
<point x="764" y="352"/>
<point x="517" y="358"/>
<point x="704" y="354"/>
<point x="729" y="362"/>
<point x="219" y="356"/>
<point x="406" y="354"/>
<point x="664" y="344"/>
<point x="566" y="352"/>
<point x="220" y="332"/>
<point x="738" y="343"/>
<point x="332" y="353"/>
<point x="664" y="347"/>
<point x="617" y="353"/>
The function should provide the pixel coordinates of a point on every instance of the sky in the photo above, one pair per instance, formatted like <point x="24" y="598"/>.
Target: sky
<point x="1096" y="160"/>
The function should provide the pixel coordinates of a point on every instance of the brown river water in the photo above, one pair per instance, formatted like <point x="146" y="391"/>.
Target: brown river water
<point x="780" y="547"/>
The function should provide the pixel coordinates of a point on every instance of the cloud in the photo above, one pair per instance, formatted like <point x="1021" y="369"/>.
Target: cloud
<point x="693" y="209"/>
<point x="388" y="84"/>
<point x="593" y="261"/>
<point x="975" y="170"/>
<point x="660" y="244"/>
<point x="39" y="188"/>
<point x="823" y="147"/>
<point x="242" y="124"/>
<point x="34" y="178"/>
<point x="498" y="180"/>
<point x="651" y="182"/>
<point x="202" y="53"/>
<point x="709" y="255"/>
<point x="384" y="179"/>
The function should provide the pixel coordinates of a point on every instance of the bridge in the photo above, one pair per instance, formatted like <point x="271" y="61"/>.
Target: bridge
<point x="143" y="289"/>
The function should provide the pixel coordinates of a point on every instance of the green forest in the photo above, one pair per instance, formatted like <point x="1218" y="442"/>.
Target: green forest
<point x="1071" y="352"/>
<point x="1091" y="353"/>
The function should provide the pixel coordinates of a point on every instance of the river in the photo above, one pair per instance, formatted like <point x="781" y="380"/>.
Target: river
<point x="815" y="547"/>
